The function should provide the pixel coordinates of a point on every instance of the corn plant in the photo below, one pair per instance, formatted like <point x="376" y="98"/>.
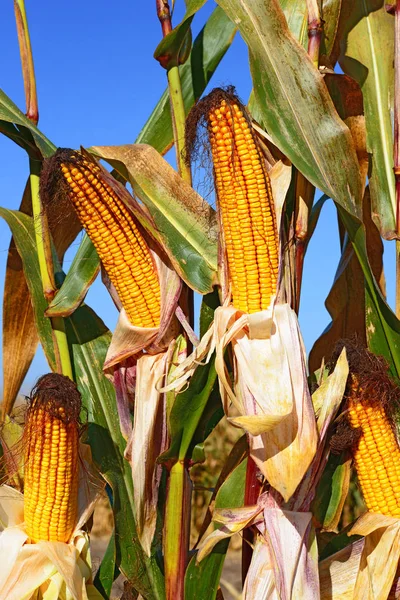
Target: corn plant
<point x="128" y="414"/>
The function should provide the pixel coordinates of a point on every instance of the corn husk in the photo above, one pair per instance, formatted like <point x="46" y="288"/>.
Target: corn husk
<point x="338" y="573"/>
<point x="284" y="564"/>
<point x="137" y="360"/>
<point x="148" y="440"/>
<point x="380" y="555"/>
<point x="270" y="388"/>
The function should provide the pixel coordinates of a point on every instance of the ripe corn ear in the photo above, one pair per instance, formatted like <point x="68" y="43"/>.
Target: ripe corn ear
<point x="376" y="454"/>
<point x="246" y="207"/>
<point x="51" y="440"/>
<point x="118" y="240"/>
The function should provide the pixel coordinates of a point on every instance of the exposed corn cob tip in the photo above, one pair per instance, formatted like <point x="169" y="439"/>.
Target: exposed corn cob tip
<point x="371" y="399"/>
<point x="244" y="198"/>
<point x="117" y="236"/>
<point x="51" y="439"/>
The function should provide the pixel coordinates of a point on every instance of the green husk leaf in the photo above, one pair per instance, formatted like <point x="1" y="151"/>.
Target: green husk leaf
<point x="169" y="51"/>
<point x="188" y="410"/>
<point x="81" y="274"/>
<point x="331" y="492"/>
<point x="294" y="103"/>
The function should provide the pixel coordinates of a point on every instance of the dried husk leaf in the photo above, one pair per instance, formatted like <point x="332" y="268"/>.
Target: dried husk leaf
<point x="271" y="391"/>
<point x="380" y="555"/>
<point x="295" y="565"/>
<point x="148" y="440"/>
<point x="338" y="573"/>
<point x="129" y="340"/>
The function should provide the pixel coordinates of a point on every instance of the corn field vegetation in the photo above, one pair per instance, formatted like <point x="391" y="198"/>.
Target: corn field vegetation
<point x="203" y="433"/>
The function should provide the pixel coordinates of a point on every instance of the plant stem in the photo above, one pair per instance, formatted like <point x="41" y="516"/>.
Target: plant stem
<point x="396" y="146"/>
<point x="175" y="97"/>
<point x="42" y="235"/>
<point x="43" y="245"/>
<point x="177" y="530"/>
<point x="251" y="493"/>
<point x="28" y="71"/>
<point x="314" y="30"/>
<point x="178" y="122"/>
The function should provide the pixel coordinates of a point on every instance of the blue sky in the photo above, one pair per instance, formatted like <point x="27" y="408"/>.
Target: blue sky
<point x="97" y="84"/>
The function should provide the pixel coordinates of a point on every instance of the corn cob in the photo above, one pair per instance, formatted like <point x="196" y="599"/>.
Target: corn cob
<point x="367" y="429"/>
<point x="117" y="237"/>
<point x="245" y="203"/>
<point x="376" y="454"/>
<point x="51" y="438"/>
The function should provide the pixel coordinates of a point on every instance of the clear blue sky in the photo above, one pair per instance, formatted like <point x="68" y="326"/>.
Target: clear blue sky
<point x="97" y="84"/>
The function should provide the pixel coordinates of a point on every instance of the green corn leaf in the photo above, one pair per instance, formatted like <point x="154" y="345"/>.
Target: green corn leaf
<point x="201" y="579"/>
<point x="105" y="575"/>
<point x="330" y="14"/>
<point x="185" y="223"/>
<point x="15" y="125"/>
<point x="383" y="327"/>
<point x="331" y="492"/>
<point x="22" y="228"/>
<point x="294" y="103"/>
<point x="81" y="274"/>
<point x="208" y="49"/>
<point x="295" y="12"/>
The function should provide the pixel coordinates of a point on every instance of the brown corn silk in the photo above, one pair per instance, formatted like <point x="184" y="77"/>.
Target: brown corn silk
<point x="51" y="441"/>
<point x="244" y="199"/>
<point x="116" y="235"/>
<point x="370" y="401"/>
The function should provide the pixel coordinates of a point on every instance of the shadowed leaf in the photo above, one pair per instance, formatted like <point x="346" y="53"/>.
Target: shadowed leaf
<point x="368" y="47"/>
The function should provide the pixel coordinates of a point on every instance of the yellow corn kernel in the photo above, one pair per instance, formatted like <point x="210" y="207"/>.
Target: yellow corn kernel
<point x="246" y="207"/>
<point x="51" y="438"/>
<point x="376" y="454"/>
<point x="117" y="238"/>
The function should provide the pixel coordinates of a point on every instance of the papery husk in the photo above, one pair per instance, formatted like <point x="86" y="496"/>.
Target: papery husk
<point x="129" y="340"/>
<point x="285" y="563"/>
<point x="260" y="580"/>
<point x="338" y="573"/>
<point x="271" y="378"/>
<point x="380" y="555"/>
<point x="326" y="400"/>
<point x="271" y="390"/>
<point x="148" y="440"/>
<point x="231" y="521"/>
<point x="140" y="355"/>
<point x="296" y="567"/>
